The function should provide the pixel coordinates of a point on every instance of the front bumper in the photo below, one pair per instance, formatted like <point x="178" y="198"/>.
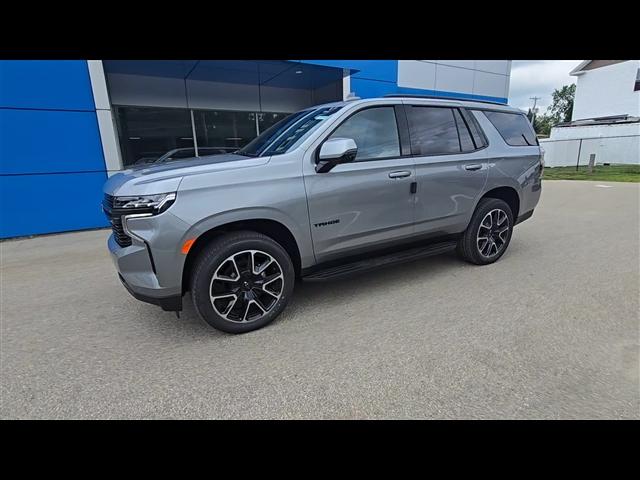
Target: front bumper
<point x="171" y="303"/>
<point x="137" y="271"/>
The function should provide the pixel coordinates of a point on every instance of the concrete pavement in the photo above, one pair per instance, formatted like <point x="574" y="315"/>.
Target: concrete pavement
<point x="550" y="331"/>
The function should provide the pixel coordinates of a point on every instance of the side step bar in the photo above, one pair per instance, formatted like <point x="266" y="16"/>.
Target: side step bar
<point x="348" y="269"/>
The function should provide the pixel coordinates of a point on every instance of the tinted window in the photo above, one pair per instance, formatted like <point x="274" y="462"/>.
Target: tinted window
<point x="374" y="131"/>
<point x="433" y="131"/>
<point x="514" y="128"/>
<point x="466" y="142"/>
<point x="268" y="119"/>
<point x="262" y="141"/>
<point x="477" y="134"/>
<point x="280" y="137"/>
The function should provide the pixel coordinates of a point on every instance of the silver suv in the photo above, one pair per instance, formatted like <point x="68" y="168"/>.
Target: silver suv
<point x="329" y="191"/>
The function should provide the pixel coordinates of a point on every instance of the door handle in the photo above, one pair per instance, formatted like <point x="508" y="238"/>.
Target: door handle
<point x="475" y="166"/>
<point x="400" y="174"/>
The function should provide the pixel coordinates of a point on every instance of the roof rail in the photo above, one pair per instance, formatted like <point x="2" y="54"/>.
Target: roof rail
<point x="412" y="95"/>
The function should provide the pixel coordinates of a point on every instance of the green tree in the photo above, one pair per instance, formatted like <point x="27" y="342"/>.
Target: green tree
<point x="562" y="104"/>
<point x="542" y="124"/>
<point x="559" y="111"/>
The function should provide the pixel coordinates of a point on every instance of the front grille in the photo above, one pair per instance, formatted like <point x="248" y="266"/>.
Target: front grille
<point x="122" y="238"/>
<point x="114" y="215"/>
<point x="115" y="218"/>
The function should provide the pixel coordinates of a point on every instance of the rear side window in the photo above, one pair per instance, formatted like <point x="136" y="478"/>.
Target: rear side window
<point x="478" y="136"/>
<point x="433" y="130"/>
<point x="375" y="132"/>
<point x="466" y="142"/>
<point x="514" y="128"/>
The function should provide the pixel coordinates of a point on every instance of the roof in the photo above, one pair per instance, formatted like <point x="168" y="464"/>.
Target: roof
<point x="400" y="95"/>
<point x="445" y="101"/>
<point x="428" y="100"/>
<point x="586" y="65"/>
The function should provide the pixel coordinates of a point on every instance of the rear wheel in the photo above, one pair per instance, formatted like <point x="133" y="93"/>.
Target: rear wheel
<point x="488" y="235"/>
<point x="242" y="282"/>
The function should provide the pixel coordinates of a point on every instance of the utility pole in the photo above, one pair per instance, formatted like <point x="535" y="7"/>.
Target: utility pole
<point x="533" y="109"/>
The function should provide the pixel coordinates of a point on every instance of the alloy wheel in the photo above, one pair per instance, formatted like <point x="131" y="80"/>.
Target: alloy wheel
<point x="493" y="233"/>
<point x="246" y="286"/>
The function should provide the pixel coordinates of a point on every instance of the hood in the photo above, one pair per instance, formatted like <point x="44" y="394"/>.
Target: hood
<point x="166" y="177"/>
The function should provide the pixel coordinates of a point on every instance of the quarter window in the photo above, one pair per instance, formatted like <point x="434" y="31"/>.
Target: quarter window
<point x="478" y="137"/>
<point x="433" y="131"/>
<point x="466" y="142"/>
<point x="514" y="128"/>
<point x="375" y="132"/>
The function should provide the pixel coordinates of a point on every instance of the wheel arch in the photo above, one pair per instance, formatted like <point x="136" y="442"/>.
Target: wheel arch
<point x="274" y="229"/>
<point x="509" y="195"/>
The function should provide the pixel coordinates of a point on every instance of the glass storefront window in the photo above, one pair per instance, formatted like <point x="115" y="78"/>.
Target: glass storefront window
<point x="147" y="133"/>
<point x="224" y="130"/>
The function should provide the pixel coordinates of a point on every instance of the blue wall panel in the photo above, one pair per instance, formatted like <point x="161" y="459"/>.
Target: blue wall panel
<point x="371" y="88"/>
<point x="48" y="125"/>
<point x="49" y="141"/>
<point x="34" y="204"/>
<point x="46" y="84"/>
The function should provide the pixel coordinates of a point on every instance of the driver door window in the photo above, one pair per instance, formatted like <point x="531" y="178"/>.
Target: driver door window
<point x="374" y="131"/>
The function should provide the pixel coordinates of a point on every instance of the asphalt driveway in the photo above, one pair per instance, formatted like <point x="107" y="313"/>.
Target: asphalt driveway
<point x="550" y="331"/>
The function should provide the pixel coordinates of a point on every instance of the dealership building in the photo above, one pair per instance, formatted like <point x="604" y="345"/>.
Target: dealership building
<point x="65" y="126"/>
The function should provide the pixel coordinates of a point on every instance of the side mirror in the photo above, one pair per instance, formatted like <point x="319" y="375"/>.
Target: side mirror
<point x="335" y="151"/>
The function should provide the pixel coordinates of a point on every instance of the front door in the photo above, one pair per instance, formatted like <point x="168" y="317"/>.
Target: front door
<point x="367" y="203"/>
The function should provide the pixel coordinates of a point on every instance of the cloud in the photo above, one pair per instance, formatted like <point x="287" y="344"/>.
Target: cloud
<point x="538" y="78"/>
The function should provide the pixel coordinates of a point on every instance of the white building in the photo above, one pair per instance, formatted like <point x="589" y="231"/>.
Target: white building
<point x="606" y="116"/>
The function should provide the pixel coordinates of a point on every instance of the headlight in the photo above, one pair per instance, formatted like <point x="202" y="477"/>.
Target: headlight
<point x="154" y="204"/>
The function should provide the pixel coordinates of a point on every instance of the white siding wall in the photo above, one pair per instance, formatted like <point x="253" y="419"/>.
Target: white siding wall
<point x="607" y="91"/>
<point x="610" y="143"/>
<point x="479" y="77"/>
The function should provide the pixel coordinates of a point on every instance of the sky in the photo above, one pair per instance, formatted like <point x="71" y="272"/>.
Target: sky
<point x="538" y="78"/>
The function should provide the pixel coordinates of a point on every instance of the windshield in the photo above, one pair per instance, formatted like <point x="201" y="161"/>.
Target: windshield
<point x="280" y="137"/>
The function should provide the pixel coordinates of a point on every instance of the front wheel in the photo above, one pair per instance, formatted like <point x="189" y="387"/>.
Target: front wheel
<point x="488" y="235"/>
<point x="242" y="282"/>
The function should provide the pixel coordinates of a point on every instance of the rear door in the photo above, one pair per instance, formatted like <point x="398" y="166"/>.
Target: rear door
<point x="451" y="166"/>
<point x="366" y="203"/>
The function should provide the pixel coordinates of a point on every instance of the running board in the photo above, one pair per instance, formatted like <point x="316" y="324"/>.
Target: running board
<point x="348" y="269"/>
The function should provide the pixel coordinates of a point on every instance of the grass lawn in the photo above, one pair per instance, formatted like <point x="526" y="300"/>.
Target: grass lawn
<point x="611" y="173"/>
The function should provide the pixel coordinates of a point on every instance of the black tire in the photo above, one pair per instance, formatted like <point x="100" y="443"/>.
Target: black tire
<point x="210" y="261"/>
<point x="469" y="246"/>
